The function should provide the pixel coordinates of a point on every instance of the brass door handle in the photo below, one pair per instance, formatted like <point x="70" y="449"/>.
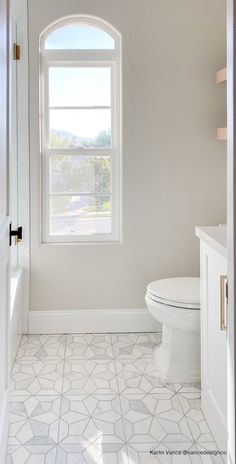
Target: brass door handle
<point x="223" y="302"/>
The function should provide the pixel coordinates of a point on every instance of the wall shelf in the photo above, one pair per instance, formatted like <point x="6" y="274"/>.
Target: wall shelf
<point x="222" y="133"/>
<point x="221" y="76"/>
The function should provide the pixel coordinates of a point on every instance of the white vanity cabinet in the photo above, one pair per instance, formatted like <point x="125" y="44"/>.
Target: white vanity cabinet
<point x="213" y="273"/>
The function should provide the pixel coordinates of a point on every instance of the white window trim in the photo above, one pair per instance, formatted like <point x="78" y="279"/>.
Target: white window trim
<point x="80" y="58"/>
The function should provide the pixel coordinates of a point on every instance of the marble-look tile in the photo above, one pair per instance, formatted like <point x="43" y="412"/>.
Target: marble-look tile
<point x="171" y="453"/>
<point x="209" y="446"/>
<point x="140" y="376"/>
<point x="90" y="419"/>
<point x="43" y="346"/>
<point x="134" y="345"/>
<point x="192" y="409"/>
<point x="190" y="391"/>
<point x="34" y="420"/>
<point x="40" y="454"/>
<point x="87" y="376"/>
<point x="99" y="399"/>
<point x="33" y="376"/>
<point x="152" y="420"/>
<point x="145" y="453"/>
<point x="95" y="453"/>
<point x="89" y="346"/>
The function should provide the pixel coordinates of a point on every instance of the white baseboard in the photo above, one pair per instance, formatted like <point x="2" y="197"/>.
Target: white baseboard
<point x="216" y="422"/>
<point x="92" y="321"/>
<point x="17" y="311"/>
<point x="4" y="421"/>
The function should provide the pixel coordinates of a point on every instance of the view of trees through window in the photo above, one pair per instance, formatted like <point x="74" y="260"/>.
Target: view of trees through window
<point x="64" y="139"/>
<point x="80" y="185"/>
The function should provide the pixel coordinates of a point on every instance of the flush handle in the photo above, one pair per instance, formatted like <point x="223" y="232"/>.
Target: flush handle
<point x="223" y="301"/>
<point x="15" y="233"/>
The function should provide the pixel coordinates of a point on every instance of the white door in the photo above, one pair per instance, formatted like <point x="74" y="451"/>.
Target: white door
<point x="4" y="236"/>
<point x="13" y="141"/>
<point x="231" y="225"/>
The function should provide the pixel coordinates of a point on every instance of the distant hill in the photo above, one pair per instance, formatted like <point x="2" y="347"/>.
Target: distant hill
<point x="74" y="139"/>
<point x="66" y="139"/>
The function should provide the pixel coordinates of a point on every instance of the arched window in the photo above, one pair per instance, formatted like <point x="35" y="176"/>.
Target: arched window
<point x="80" y="131"/>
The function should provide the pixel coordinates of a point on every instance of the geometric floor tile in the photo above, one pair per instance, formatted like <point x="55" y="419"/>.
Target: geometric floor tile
<point x="38" y="455"/>
<point x="42" y="346"/>
<point x="33" y="376"/>
<point x="172" y="453"/>
<point x="151" y="420"/>
<point x="140" y="375"/>
<point x="99" y="399"/>
<point x="38" y="369"/>
<point x="34" y="421"/>
<point x="95" y="453"/>
<point x="89" y="419"/>
<point x="146" y="454"/>
<point x="87" y="376"/>
<point x="89" y="346"/>
<point x="137" y="345"/>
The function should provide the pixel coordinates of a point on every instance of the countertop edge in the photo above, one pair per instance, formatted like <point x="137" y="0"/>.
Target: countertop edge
<point x="207" y="234"/>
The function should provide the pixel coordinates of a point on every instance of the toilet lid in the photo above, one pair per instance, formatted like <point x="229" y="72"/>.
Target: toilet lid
<point x="178" y="291"/>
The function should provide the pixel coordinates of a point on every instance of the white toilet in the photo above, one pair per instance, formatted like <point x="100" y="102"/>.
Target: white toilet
<point x="175" y="303"/>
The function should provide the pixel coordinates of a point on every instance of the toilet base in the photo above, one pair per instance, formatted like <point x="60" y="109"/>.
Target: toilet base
<point x="178" y="356"/>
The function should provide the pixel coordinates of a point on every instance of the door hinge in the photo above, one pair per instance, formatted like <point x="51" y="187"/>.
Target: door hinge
<point x="16" y="52"/>
<point x="15" y="233"/>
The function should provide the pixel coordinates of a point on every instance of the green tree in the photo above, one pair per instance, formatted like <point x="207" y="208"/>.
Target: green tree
<point x="81" y="174"/>
<point x="103" y="139"/>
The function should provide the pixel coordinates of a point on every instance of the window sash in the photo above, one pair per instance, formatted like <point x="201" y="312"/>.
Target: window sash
<point x="114" y="195"/>
<point x="99" y="58"/>
<point x="88" y="21"/>
<point x="107" y="151"/>
<point x="61" y="108"/>
<point x="46" y="107"/>
<point x="79" y="55"/>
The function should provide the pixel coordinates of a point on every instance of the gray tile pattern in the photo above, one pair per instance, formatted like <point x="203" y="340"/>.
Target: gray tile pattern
<point x="98" y="399"/>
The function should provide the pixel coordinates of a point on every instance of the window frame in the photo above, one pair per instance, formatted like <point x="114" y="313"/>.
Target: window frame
<point x="81" y="58"/>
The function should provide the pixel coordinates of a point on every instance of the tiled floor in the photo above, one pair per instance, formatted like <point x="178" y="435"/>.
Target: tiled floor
<point x="98" y="399"/>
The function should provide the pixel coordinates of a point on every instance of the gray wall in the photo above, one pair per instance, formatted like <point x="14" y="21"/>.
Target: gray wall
<point x="174" y="170"/>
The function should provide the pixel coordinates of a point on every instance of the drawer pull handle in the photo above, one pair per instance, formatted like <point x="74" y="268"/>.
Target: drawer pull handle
<point x="223" y="301"/>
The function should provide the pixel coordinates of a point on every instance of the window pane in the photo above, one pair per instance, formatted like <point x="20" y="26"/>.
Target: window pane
<point x="80" y="128"/>
<point x="80" y="174"/>
<point x="79" y="37"/>
<point x="79" y="86"/>
<point x="80" y="215"/>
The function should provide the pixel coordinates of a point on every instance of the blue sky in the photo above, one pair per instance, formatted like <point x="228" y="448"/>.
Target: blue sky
<point x="80" y="86"/>
<point x="79" y="37"/>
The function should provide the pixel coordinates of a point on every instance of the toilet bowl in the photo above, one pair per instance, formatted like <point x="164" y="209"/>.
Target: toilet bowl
<point x="175" y="303"/>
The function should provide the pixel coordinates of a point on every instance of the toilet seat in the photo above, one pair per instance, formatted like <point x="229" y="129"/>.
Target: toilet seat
<point x="179" y="292"/>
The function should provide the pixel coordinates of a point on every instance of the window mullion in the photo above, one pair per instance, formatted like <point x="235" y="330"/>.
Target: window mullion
<point x="61" y="108"/>
<point x="82" y="194"/>
<point x="79" y="152"/>
<point x="82" y="56"/>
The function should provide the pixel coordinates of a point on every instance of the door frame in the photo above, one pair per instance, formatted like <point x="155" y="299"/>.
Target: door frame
<point x="231" y="223"/>
<point x="4" y="229"/>
<point x="19" y="12"/>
